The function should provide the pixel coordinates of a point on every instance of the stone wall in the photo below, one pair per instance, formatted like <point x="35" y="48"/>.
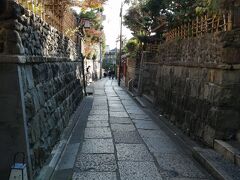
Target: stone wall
<point x="196" y="83"/>
<point x="41" y="72"/>
<point x="131" y="71"/>
<point x="23" y="33"/>
<point x="52" y="91"/>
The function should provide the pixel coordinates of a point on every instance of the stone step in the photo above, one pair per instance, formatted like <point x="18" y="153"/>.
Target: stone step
<point x="139" y="100"/>
<point x="131" y="94"/>
<point x="214" y="162"/>
<point x="149" y="98"/>
<point x="230" y="150"/>
<point x="238" y="136"/>
<point x="135" y="91"/>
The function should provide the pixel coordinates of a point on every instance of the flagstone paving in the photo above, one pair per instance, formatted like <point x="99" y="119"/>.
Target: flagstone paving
<point x="122" y="142"/>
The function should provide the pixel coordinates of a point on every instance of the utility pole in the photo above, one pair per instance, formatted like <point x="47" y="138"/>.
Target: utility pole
<point x="120" y="49"/>
<point x="100" y="48"/>
<point x="100" y="58"/>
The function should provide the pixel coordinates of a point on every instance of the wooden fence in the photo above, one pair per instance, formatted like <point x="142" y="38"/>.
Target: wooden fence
<point x="202" y="25"/>
<point x="152" y="47"/>
<point x="54" y="12"/>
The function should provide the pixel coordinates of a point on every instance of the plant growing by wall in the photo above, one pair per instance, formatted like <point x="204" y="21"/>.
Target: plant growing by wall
<point x="131" y="47"/>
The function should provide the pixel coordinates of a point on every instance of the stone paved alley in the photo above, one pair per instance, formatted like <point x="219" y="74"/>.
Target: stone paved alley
<point x="121" y="141"/>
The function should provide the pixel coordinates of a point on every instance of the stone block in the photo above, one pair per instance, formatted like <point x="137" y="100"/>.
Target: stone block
<point x="35" y="97"/>
<point x="29" y="105"/>
<point x="13" y="36"/>
<point x="13" y="48"/>
<point x="130" y="170"/>
<point x="237" y="159"/>
<point x="29" y="77"/>
<point x="95" y="175"/>
<point x="40" y="94"/>
<point x="96" y="162"/>
<point x="223" y="119"/>
<point x="209" y="135"/>
<point x="98" y="146"/>
<point x="133" y="152"/>
<point x="225" y="150"/>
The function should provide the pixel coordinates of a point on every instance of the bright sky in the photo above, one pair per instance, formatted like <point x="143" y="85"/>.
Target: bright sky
<point x="112" y="22"/>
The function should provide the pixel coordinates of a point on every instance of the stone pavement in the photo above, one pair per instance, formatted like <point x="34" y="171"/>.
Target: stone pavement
<point x="121" y="141"/>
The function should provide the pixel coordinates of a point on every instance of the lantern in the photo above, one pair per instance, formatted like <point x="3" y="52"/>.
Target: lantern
<point x="18" y="169"/>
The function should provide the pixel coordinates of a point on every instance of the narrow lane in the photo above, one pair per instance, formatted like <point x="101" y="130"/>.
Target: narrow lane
<point x="122" y="142"/>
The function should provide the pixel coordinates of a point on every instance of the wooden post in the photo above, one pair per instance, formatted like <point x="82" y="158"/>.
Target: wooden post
<point x="218" y="22"/>
<point x="184" y="31"/>
<point x="230" y="25"/>
<point x="192" y="29"/>
<point x="53" y="6"/>
<point x="32" y="6"/>
<point x="25" y="4"/>
<point x="44" y="10"/>
<point x="41" y="9"/>
<point x="213" y="22"/>
<point x="197" y="26"/>
<point x="178" y="29"/>
<point x="236" y="17"/>
<point x="206" y="24"/>
<point x="224" y="23"/>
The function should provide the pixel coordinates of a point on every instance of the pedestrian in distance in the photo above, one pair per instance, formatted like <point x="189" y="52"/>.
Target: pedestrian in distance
<point x="113" y="74"/>
<point x="109" y="74"/>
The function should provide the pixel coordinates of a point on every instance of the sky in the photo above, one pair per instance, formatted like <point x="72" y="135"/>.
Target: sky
<point x="112" y="22"/>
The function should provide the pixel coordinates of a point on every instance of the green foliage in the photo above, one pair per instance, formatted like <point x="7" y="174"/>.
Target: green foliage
<point x="136" y="21"/>
<point x="147" y="14"/>
<point x="88" y="14"/>
<point x="132" y="47"/>
<point x="94" y="34"/>
<point x="212" y="6"/>
<point x="94" y="57"/>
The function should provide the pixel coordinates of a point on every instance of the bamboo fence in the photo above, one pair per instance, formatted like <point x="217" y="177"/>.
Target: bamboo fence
<point x="152" y="47"/>
<point x="197" y="28"/>
<point x="202" y="25"/>
<point x="54" y="12"/>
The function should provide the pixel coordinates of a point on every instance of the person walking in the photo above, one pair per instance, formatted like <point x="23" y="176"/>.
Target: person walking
<point x="109" y="74"/>
<point x="113" y="74"/>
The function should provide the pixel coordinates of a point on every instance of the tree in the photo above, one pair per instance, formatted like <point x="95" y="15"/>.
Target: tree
<point x="132" y="47"/>
<point x="94" y="35"/>
<point x="145" y="15"/>
<point x="213" y="6"/>
<point x="89" y="4"/>
<point x="137" y="21"/>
